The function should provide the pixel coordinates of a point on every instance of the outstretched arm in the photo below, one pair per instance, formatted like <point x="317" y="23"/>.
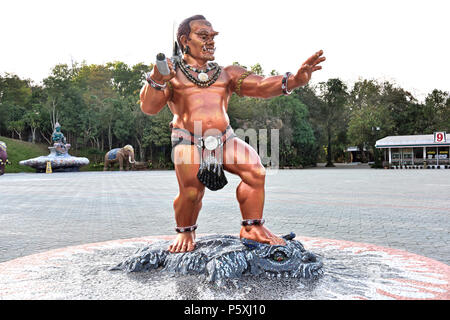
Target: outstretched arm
<point x="152" y="99"/>
<point x="260" y="87"/>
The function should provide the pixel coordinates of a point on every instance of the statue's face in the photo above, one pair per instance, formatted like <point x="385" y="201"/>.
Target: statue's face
<point x="58" y="129"/>
<point x="201" y="40"/>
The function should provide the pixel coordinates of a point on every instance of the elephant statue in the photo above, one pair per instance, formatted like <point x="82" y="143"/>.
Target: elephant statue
<point x="3" y="157"/>
<point x="125" y="156"/>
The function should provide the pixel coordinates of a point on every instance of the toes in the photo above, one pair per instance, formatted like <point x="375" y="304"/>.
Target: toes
<point x="178" y="247"/>
<point x="277" y="241"/>
<point x="191" y="246"/>
<point x="173" y="246"/>
<point x="181" y="245"/>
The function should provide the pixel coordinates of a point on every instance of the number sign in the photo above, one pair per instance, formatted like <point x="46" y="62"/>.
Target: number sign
<point x="440" y="137"/>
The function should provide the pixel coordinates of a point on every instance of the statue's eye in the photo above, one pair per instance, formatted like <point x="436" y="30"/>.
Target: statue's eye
<point x="279" y="256"/>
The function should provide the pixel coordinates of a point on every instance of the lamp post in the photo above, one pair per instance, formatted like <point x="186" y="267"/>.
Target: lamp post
<point x="375" y="133"/>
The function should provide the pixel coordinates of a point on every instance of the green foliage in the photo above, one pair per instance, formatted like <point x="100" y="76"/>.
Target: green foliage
<point x="257" y="69"/>
<point x="372" y="113"/>
<point x="436" y="112"/>
<point x="331" y="115"/>
<point x="284" y="113"/>
<point x="98" y="108"/>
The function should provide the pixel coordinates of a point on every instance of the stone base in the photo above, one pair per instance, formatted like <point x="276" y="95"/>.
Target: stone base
<point x="59" y="162"/>
<point x="351" y="271"/>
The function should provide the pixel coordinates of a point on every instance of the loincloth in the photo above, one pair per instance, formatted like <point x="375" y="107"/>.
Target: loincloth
<point x="210" y="171"/>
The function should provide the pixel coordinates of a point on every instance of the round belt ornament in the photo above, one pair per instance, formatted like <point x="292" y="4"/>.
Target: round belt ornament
<point x="211" y="143"/>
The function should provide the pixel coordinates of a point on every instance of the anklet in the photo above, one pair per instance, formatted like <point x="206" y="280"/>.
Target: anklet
<point x="186" y="229"/>
<point x="253" y="222"/>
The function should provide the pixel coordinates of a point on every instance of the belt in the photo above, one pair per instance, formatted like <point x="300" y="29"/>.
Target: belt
<point x="183" y="136"/>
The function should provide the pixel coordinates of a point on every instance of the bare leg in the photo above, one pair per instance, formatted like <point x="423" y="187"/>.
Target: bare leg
<point x="188" y="202"/>
<point x="250" y="192"/>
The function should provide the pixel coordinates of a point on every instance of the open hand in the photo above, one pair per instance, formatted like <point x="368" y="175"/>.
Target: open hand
<point x="308" y="67"/>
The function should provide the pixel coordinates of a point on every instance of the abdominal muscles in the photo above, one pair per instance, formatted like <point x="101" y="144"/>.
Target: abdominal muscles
<point x="209" y="110"/>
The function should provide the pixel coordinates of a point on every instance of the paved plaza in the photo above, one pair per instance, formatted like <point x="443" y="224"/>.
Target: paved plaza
<point x="401" y="209"/>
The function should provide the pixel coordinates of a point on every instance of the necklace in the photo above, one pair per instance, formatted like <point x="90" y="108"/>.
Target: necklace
<point x="202" y="79"/>
<point x="202" y="74"/>
<point x="209" y="67"/>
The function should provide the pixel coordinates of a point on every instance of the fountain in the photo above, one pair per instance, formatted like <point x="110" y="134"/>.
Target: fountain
<point x="59" y="157"/>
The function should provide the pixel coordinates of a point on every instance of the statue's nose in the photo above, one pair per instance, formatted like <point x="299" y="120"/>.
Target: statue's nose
<point x="309" y="257"/>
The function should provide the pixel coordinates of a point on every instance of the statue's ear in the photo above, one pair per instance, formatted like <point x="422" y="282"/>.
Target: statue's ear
<point x="289" y="236"/>
<point x="251" y="244"/>
<point x="183" y="40"/>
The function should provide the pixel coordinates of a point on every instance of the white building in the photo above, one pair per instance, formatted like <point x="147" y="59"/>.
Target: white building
<point x="418" y="151"/>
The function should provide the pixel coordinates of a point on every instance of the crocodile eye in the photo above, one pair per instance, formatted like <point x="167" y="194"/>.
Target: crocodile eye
<point x="279" y="256"/>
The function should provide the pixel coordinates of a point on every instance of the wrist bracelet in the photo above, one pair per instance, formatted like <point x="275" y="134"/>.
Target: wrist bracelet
<point x="154" y="84"/>
<point x="284" y="84"/>
<point x="252" y="222"/>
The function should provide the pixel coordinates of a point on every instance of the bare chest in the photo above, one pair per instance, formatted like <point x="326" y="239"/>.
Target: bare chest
<point x="193" y="85"/>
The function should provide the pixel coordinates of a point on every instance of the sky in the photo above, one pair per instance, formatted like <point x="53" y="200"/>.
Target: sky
<point x="405" y="42"/>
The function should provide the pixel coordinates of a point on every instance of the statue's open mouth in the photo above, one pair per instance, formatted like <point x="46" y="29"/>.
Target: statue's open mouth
<point x="208" y="49"/>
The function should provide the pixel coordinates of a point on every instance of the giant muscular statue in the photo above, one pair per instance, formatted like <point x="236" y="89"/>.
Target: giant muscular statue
<point x="197" y="92"/>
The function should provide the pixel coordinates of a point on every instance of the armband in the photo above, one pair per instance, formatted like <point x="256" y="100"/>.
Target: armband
<point x="239" y="82"/>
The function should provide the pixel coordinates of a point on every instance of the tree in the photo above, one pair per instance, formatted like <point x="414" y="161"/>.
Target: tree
<point x="157" y="136"/>
<point x="127" y="81"/>
<point x="333" y="95"/>
<point x="32" y="118"/>
<point x="257" y="69"/>
<point x="296" y="124"/>
<point x="15" y="96"/>
<point x="369" y="124"/>
<point x="436" y="112"/>
<point x="371" y="106"/>
<point x="402" y="107"/>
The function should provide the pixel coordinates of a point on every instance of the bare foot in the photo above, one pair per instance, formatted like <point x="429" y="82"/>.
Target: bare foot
<point x="184" y="242"/>
<point x="261" y="234"/>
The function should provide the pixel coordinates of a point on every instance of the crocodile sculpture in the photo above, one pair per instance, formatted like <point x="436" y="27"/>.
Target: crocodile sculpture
<point x="218" y="258"/>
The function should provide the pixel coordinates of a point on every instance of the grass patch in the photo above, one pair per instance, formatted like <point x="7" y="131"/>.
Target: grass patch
<point x="20" y="150"/>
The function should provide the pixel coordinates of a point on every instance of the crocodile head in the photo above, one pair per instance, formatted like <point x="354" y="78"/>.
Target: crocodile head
<point x="222" y="257"/>
<point x="283" y="261"/>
